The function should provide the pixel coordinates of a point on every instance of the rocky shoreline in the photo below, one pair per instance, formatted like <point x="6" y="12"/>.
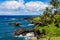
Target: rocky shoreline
<point x="28" y="32"/>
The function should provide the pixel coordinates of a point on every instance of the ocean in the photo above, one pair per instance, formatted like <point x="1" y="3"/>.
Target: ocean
<point x="7" y="31"/>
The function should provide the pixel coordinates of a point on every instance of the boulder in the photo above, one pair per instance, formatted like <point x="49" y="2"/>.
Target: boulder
<point x="22" y="31"/>
<point x="14" y="23"/>
<point x="25" y="31"/>
<point x="18" y="32"/>
<point x="17" y="24"/>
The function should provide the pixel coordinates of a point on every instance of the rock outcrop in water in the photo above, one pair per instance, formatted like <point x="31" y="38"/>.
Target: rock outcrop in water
<point x="22" y="31"/>
<point x="17" y="24"/>
<point x="25" y="31"/>
<point x="14" y="23"/>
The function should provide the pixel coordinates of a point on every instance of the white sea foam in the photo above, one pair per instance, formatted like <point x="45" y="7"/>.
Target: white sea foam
<point x="13" y="19"/>
<point x="30" y="24"/>
<point x="20" y="36"/>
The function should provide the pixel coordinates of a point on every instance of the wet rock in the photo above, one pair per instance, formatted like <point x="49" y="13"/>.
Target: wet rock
<point x="22" y="31"/>
<point x="18" y="32"/>
<point x="17" y="24"/>
<point x="14" y="23"/>
<point x="25" y="31"/>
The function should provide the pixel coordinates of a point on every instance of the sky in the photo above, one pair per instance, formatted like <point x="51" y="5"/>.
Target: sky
<point x="23" y="7"/>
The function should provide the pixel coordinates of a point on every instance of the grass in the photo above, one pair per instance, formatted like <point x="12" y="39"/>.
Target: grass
<point x="52" y="38"/>
<point x="34" y="38"/>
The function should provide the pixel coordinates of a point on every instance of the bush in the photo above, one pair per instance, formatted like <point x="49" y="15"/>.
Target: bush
<point x="50" y="30"/>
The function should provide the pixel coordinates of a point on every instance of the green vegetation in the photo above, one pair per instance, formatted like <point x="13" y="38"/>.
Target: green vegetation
<point x="34" y="38"/>
<point x="52" y="38"/>
<point x="49" y="23"/>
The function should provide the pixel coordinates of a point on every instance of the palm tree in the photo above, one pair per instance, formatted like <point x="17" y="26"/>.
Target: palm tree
<point x="56" y="4"/>
<point x="47" y="17"/>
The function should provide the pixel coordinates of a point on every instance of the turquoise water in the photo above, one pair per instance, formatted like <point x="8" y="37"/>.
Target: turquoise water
<point x="7" y="31"/>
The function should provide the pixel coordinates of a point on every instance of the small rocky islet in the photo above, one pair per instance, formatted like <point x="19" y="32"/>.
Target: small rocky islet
<point x="14" y="23"/>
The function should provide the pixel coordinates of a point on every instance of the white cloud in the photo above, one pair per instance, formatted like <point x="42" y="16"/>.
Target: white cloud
<point x="35" y="6"/>
<point x="11" y="5"/>
<point x="19" y="8"/>
<point x="21" y="1"/>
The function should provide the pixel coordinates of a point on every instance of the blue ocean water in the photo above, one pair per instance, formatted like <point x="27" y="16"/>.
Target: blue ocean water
<point x="7" y="31"/>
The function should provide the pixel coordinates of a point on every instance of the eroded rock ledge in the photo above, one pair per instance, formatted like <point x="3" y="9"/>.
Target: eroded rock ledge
<point x="25" y="31"/>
